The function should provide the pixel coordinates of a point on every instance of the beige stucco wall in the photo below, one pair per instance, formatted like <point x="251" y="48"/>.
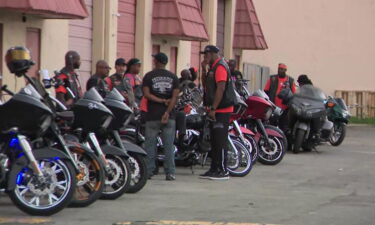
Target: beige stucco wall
<point x="53" y="44"/>
<point x="331" y="41"/>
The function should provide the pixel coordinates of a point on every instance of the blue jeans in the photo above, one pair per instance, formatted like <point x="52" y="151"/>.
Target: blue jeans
<point x="167" y="133"/>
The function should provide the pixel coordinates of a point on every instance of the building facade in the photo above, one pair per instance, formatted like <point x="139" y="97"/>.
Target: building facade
<point x="129" y="28"/>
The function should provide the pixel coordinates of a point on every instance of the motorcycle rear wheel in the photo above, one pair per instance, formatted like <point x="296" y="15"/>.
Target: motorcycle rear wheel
<point x="298" y="140"/>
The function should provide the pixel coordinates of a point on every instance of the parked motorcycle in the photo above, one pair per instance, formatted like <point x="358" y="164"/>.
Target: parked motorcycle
<point x="40" y="181"/>
<point x="308" y="116"/>
<point x="338" y="113"/>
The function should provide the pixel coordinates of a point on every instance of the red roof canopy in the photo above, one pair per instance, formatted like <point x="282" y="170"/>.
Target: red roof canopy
<point x="62" y="9"/>
<point x="247" y="31"/>
<point x="179" y="18"/>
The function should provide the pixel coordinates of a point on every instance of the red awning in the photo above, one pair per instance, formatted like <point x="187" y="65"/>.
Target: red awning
<point x="179" y="18"/>
<point x="49" y="9"/>
<point x="247" y="31"/>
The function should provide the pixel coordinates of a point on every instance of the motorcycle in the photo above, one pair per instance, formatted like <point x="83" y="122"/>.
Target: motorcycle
<point x="308" y="116"/>
<point x="39" y="181"/>
<point x="338" y="113"/>
<point x="271" y="141"/>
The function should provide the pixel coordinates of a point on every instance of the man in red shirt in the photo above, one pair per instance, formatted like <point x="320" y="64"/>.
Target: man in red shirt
<point x="273" y="87"/>
<point x="220" y="103"/>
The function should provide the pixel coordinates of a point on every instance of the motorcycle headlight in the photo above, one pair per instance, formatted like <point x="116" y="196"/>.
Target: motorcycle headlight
<point x="46" y="123"/>
<point x="107" y="121"/>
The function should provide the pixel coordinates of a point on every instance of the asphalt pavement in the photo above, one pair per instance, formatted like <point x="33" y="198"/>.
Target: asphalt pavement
<point x="333" y="186"/>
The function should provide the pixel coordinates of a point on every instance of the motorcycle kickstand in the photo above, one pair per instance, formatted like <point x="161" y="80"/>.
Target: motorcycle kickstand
<point x="192" y="169"/>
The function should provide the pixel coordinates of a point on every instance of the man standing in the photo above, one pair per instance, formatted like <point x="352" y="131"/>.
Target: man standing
<point x="219" y="98"/>
<point x="98" y="79"/>
<point x="69" y="89"/>
<point x="120" y="82"/>
<point x="161" y="89"/>
<point x="274" y="86"/>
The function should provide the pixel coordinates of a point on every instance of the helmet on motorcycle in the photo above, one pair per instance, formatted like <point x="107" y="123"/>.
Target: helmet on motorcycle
<point x="18" y="60"/>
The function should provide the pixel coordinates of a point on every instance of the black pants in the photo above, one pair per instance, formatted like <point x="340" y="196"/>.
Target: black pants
<point x="181" y="123"/>
<point x="219" y="141"/>
<point x="284" y="121"/>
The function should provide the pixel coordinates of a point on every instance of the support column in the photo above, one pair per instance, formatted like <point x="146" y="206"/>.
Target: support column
<point x="230" y="13"/>
<point x="98" y="31"/>
<point x="209" y="11"/>
<point x="143" y="39"/>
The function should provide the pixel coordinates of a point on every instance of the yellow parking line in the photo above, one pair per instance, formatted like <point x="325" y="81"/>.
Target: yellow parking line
<point x="173" y="222"/>
<point x="6" y="220"/>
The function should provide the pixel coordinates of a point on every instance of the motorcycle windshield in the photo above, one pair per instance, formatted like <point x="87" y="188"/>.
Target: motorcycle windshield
<point x="342" y="103"/>
<point x="261" y="94"/>
<point x="93" y="95"/>
<point x="30" y="90"/>
<point x="115" y="95"/>
<point x="311" y="92"/>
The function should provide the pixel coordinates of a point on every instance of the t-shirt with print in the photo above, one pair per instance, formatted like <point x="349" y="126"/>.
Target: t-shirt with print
<point x="161" y="83"/>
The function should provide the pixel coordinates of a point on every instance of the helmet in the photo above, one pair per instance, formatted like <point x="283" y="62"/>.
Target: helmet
<point x="18" y="60"/>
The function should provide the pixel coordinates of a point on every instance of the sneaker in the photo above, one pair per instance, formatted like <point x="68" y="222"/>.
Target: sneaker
<point x="219" y="176"/>
<point x="206" y="175"/>
<point x="170" y="177"/>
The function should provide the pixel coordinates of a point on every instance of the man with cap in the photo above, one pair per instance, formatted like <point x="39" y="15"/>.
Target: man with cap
<point x="219" y="98"/>
<point x="274" y="86"/>
<point x="98" y="79"/>
<point x="161" y="89"/>
<point x="120" y="82"/>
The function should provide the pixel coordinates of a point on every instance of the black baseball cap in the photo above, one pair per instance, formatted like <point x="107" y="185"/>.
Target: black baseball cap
<point x="120" y="62"/>
<point x="161" y="57"/>
<point x="210" y="48"/>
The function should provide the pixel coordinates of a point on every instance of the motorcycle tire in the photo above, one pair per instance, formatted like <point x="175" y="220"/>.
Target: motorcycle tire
<point x="342" y="136"/>
<point x="63" y="174"/>
<point x="90" y="187"/>
<point x="278" y="130"/>
<point x="121" y="169"/>
<point x="254" y="148"/>
<point x="298" y="140"/>
<point x="273" y="157"/>
<point x="139" y="173"/>
<point x="242" y="155"/>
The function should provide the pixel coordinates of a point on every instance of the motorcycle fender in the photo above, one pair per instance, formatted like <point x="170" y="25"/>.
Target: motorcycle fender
<point x="130" y="147"/>
<point x="303" y="126"/>
<point x="21" y="162"/>
<point x="109" y="149"/>
<point x="81" y="147"/>
<point x="247" y="131"/>
<point x="274" y="133"/>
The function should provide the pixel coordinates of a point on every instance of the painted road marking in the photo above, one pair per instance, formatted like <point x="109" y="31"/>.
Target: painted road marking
<point x="6" y="220"/>
<point x="171" y="222"/>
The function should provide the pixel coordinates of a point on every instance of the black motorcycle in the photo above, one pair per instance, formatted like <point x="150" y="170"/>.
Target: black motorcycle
<point x="308" y="116"/>
<point x="39" y="181"/>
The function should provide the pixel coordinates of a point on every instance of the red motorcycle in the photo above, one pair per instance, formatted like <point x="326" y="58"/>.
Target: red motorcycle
<point x="272" y="142"/>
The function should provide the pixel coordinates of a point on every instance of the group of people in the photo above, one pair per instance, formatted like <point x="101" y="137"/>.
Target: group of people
<point x="156" y="95"/>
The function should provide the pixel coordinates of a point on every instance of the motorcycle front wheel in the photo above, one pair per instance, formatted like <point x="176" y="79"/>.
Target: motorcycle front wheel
<point x="90" y="185"/>
<point x="239" y="158"/>
<point x="139" y="173"/>
<point x="338" y="135"/>
<point x="117" y="181"/>
<point x="273" y="153"/>
<point x="46" y="195"/>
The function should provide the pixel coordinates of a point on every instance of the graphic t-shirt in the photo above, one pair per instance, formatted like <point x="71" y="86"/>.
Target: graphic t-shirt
<point x="161" y="84"/>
